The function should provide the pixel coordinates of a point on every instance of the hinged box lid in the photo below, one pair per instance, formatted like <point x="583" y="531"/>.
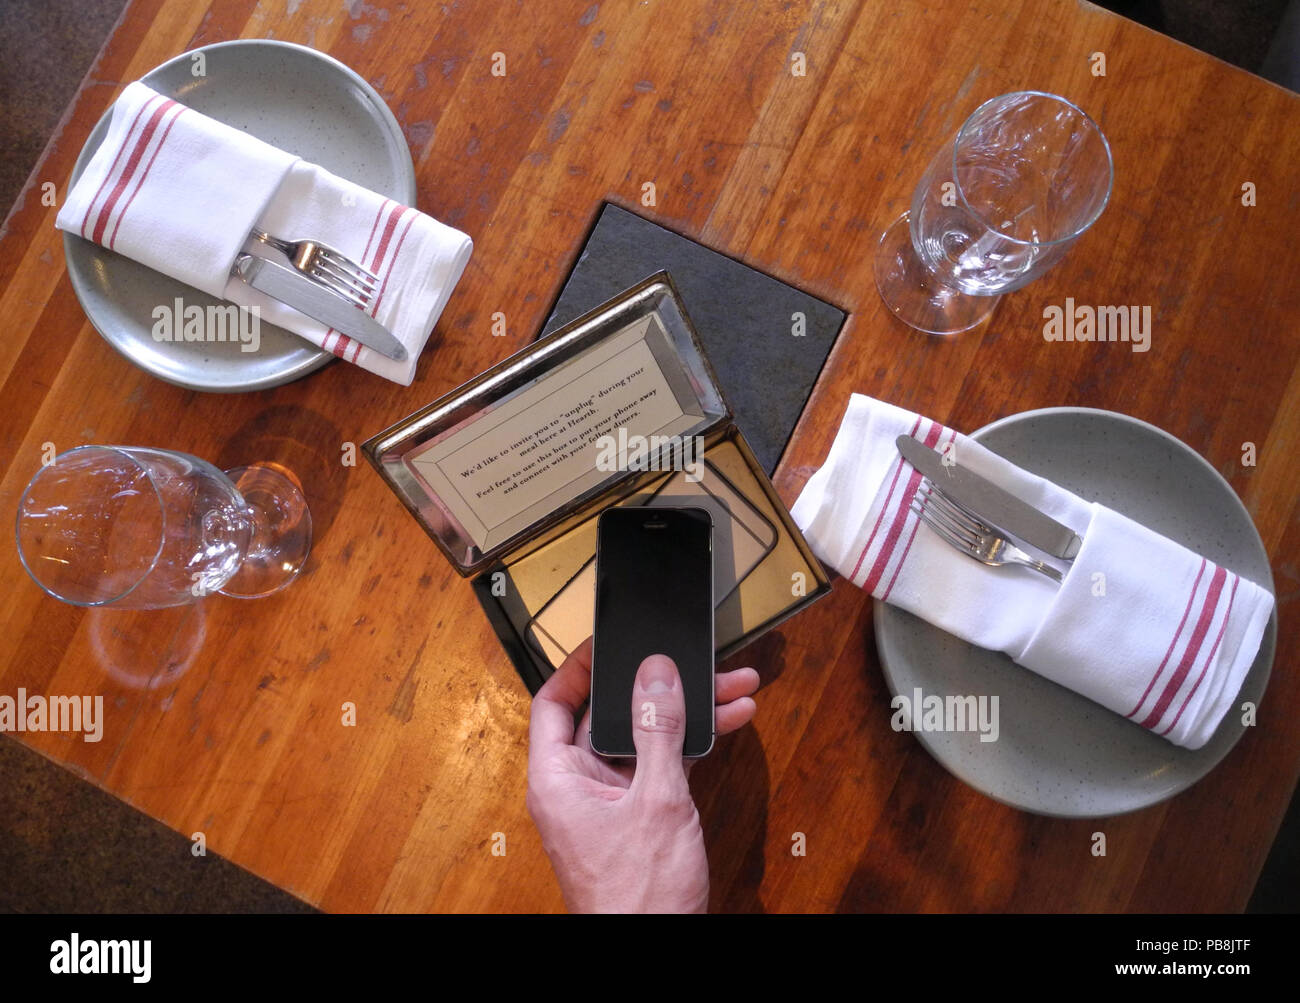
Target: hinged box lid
<point x="525" y="444"/>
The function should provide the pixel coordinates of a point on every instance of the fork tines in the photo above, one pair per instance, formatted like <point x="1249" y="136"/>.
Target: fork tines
<point x="331" y="268"/>
<point x="967" y="532"/>
<point x="326" y="263"/>
<point x="954" y="516"/>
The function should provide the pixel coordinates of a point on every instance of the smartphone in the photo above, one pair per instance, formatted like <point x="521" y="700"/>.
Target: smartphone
<point x="654" y="595"/>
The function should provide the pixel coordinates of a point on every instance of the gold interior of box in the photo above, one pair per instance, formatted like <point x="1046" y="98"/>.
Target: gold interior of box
<point x="562" y="565"/>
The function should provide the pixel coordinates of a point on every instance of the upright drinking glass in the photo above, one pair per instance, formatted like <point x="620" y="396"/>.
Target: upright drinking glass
<point x="147" y="528"/>
<point x="1024" y="177"/>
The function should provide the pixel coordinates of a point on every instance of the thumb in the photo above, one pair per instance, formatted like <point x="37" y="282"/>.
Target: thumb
<point x="658" y="726"/>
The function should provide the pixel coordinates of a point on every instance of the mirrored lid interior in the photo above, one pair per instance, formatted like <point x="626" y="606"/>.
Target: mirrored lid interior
<point x="624" y="389"/>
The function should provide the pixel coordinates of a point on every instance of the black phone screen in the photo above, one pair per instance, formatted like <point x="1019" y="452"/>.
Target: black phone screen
<point x="654" y="595"/>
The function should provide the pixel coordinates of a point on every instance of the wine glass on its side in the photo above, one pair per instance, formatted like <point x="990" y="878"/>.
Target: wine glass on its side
<point x="140" y="528"/>
<point x="1026" y="175"/>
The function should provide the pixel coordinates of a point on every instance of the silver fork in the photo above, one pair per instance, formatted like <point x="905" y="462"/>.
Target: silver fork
<point x="970" y="534"/>
<point x="331" y="268"/>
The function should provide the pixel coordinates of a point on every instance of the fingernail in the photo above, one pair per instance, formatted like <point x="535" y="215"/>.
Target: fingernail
<point x="658" y="675"/>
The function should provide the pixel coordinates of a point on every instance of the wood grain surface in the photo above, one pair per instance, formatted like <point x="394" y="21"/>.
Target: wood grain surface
<point x="224" y="717"/>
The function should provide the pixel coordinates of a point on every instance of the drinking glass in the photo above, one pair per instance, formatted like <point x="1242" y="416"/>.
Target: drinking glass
<point x="1022" y="180"/>
<point x="140" y="528"/>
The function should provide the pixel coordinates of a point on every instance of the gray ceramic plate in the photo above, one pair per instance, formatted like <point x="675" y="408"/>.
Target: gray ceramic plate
<point x="1057" y="752"/>
<point x="290" y="96"/>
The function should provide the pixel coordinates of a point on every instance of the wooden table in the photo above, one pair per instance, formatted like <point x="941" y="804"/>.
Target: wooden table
<point x="225" y="718"/>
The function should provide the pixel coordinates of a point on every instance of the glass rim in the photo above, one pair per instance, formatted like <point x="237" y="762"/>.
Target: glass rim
<point x="123" y="451"/>
<point x="1105" y="145"/>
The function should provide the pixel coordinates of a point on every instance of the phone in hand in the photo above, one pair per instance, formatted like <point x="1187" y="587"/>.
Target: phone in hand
<point x="654" y="595"/>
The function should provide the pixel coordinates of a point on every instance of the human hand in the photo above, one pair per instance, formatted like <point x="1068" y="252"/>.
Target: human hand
<point x="624" y="837"/>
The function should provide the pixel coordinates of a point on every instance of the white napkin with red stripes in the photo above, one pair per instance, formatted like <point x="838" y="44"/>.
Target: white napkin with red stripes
<point x="1141" y="625"/>
<point x="180" y="192"/>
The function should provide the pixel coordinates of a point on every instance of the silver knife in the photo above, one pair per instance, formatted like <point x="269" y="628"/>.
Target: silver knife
<point x="306" y="295"/>
<point x="992" y="503"/>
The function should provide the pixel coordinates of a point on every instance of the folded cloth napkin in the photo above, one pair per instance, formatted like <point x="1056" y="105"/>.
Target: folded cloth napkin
<point x="180" y="192"/>
<point x="1141" y="625"/>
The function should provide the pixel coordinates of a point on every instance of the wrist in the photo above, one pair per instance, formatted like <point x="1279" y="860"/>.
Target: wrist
<point x="613" y="900"/>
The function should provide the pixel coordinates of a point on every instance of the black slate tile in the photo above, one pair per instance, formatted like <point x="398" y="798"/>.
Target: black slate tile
<point x="744" y="319"/>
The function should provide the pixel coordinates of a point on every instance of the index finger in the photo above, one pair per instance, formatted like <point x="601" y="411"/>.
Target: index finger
<point x="555" y="708"/>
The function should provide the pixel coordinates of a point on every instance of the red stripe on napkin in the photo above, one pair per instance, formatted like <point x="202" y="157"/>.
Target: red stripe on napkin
<point x="384" y="285"/>
<point x="898" y="468"/>
<point x="1209" y="660"/>
<point x="901" y="510"/>
<point x="369" y="239"/>
<point x="1193" y="649"/>
<point x="144" y="176"/>
<point x="390" y="225"/>
<point x="121" y="150"/>
<point x="128" y="172"/>
<point x="1173" y="642"/>
<point x="364" y="260"/>
<point x="344" y="343"/>
<point x="906" y="550"/>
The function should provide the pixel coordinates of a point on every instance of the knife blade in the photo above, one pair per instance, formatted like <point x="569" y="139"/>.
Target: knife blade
<point x="307" y="296"/>
<point x="992" y="503"/>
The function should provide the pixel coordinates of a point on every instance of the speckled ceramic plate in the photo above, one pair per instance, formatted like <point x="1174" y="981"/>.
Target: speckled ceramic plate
<point x="1057" y="752"/>
<point x="290" y="96"/>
